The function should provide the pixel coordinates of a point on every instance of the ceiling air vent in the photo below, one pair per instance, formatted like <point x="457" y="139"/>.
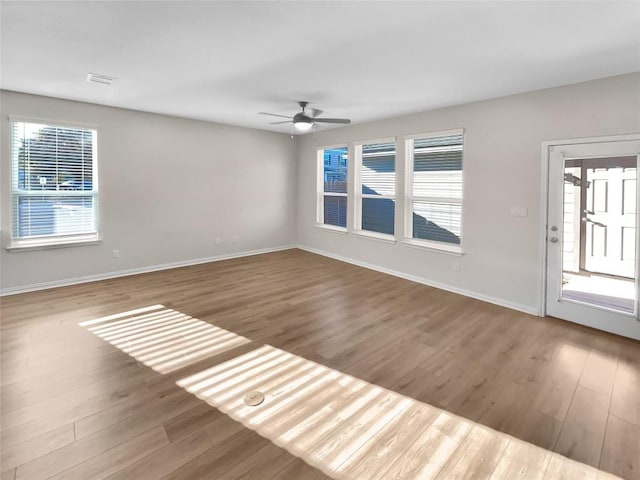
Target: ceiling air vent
<point x="102" y="79"/>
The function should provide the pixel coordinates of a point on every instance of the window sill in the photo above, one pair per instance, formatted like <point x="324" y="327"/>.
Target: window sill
<point x="29" y="245"/>
<point x="454" y="250"/>
<point x="332" y="228"/>
<point x="381" y="237"/>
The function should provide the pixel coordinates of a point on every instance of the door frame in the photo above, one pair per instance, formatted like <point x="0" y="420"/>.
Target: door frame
<point x="544" y="206"/>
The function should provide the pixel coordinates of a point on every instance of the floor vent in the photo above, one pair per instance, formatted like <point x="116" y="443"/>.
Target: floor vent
<point x="253" y="399"/>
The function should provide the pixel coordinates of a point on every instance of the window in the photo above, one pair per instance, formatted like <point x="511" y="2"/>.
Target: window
<point x="54" y="184"/>
<point x="375" y="186"/>
<point x="332" y="187"/>
<point x="434" y="190"/>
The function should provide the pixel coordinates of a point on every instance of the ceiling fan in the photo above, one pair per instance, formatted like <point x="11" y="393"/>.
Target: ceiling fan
<point x="303" y="121"/>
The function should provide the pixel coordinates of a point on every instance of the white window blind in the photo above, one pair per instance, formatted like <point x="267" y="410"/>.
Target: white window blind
<point x="376" y="187"/>
<point x="332" y="186"/>
<point x="435" y="193"/>
<point x="54" y="183"/>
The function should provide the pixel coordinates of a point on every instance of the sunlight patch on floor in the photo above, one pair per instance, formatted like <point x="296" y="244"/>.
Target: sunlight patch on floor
<point x="616" y="293"/>
<point x="163" y="339"/>
<point x="351" y="429"/>
<point x="344" y="426"/>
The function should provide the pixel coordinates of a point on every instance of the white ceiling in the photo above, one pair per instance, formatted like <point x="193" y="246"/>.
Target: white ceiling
<point x="226" y="61"/>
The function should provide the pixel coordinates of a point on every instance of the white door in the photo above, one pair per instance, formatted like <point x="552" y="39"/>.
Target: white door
<point x="592" y="235"/>
<point x="609" y="215"/>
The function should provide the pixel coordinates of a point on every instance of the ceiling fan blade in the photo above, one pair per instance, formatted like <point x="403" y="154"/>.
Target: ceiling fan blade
<point x="278" y="123"/>
<point x="315" y="112"/>
<point x="274" y="114"/>
<point x="332" y="120"/>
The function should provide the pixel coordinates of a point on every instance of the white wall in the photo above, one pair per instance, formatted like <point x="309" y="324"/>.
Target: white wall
<point x="502" y="168"/>
<point x="212" y="180"/>
<point x="168" y="188"/>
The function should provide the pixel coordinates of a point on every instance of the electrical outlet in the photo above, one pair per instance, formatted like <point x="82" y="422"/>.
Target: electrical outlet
<point x="218" y="241"/>
<point x="234" y="239"/>
<point x="456" y="266"/>
<point x="115" y="254"/>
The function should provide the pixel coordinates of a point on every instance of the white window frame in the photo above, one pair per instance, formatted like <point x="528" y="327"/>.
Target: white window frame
<point x="54" y="241"/>
<point x="443" y="247"/>
<point x="320" y="188"/>
<point x="358" y="195"/>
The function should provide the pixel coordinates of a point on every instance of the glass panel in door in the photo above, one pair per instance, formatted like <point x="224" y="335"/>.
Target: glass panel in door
<point x="599" y="232"/>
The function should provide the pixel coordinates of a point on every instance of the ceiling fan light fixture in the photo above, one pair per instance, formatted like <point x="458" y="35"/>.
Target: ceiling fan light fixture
<point x="303" y="122"/>
<point x="303" y="125"/>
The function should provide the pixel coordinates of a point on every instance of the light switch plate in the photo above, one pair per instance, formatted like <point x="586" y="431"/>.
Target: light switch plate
<point x="519" y="212"/>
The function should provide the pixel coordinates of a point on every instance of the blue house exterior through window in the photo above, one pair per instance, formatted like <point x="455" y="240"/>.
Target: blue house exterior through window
<point x="334" y="187"/>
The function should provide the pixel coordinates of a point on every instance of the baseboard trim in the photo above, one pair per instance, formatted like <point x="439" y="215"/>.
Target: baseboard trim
<point x="136" y="271"/>
<point x="185" y="263"/>
<point x="425" y="281"/>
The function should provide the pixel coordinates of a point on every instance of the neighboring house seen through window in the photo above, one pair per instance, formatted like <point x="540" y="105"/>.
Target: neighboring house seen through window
<point x="434" y="189"/>
<point x="54" y="184"/>
<point x="332" y="186"/>
<point x="375" y="186"/>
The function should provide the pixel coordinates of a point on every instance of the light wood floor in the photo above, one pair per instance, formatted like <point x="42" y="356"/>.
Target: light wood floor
<point x="101" y="400"/>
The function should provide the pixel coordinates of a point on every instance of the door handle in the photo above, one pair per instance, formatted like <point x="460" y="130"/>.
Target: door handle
<point x="588" y="220"/>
